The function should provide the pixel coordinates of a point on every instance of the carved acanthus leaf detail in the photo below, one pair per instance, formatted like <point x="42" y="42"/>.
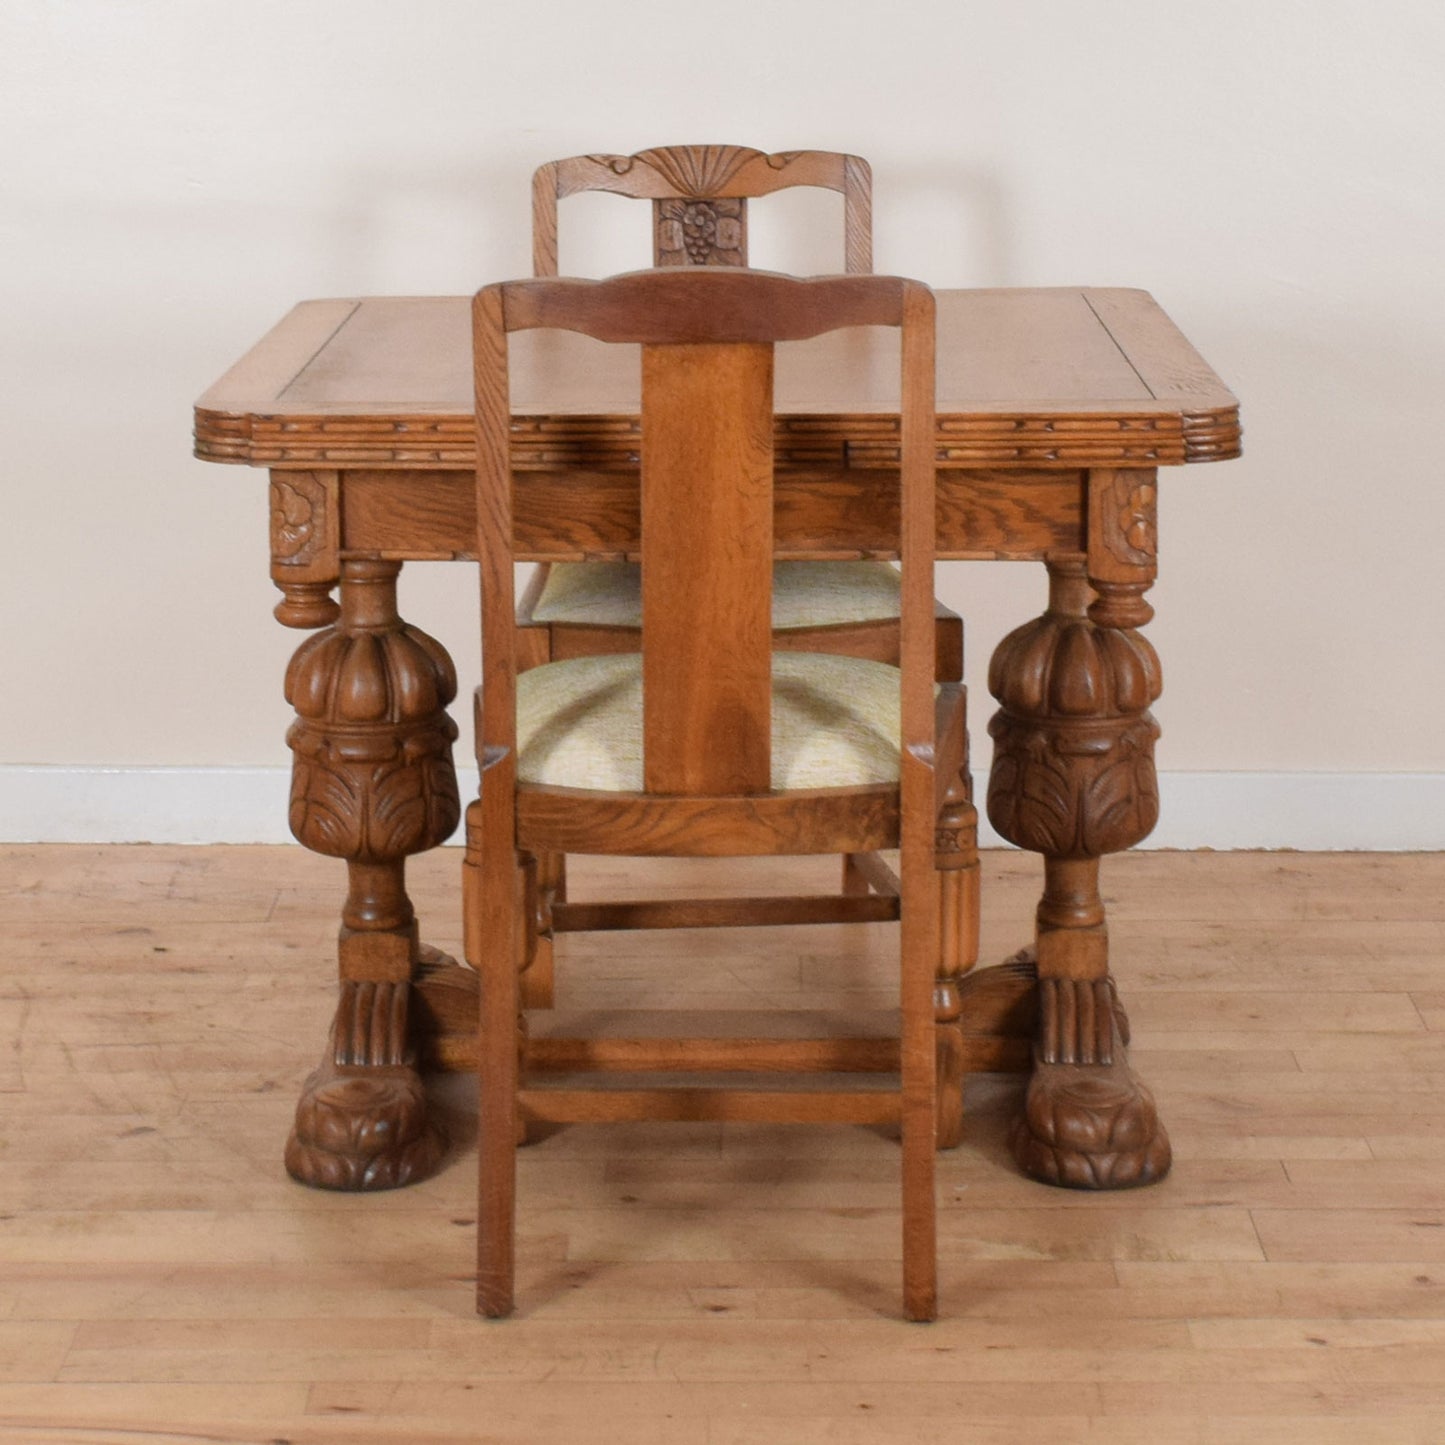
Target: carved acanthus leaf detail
<point x="373" y="777"/>
<point x="1073" y="770"/>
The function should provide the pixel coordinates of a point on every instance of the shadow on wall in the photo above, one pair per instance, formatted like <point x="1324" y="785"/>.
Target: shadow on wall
<point x="951" y="225"/>
<point x="431" y="230"/>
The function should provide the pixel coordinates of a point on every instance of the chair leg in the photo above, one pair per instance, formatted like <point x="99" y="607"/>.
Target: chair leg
<point x="919" y="938"/>
<point x="956" y="859"/>
<point x="539" y="982"/>
<point x="948" y="644"/>
<point x="534" y="648"/>
<point x="854" y="883"/>
<point x="920" y="1231"/>
<point x="492" y="929"/>
<point x="948" y="1011"/>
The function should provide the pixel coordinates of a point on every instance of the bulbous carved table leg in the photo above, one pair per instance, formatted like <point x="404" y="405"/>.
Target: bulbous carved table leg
<point x="1073" y="778"/>
<point x="372" y="783"/>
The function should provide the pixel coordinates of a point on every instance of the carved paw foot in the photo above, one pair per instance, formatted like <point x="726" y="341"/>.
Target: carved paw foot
<point x="362" y="1120"/>
<point x="1088" y="1120"/>
<point x="362" y="1129"/>
<point x="1090" y="1127"/>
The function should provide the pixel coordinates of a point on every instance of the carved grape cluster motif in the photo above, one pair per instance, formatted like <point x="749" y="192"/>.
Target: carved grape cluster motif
<point x="700" y="232"/>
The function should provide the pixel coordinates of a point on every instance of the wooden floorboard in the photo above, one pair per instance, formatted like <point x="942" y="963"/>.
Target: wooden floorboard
<point x="162" y="1280"/>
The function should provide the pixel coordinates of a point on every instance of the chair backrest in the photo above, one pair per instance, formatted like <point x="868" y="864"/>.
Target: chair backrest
<point x="707" y="339"/>
<point x="699" y="199"/>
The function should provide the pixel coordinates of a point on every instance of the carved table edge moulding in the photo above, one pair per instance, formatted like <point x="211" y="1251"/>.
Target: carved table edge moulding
<point x="421" y="440"/>
<point x="1085" y="394"/>
<point x="1176" y="418"/>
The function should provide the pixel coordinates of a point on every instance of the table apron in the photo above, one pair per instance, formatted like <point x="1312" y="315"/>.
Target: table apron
<point x="997" y="514"/>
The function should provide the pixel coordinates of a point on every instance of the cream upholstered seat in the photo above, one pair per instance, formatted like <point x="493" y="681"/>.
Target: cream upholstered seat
<point x="805" y="594"/>
<point x="835" y="722"/>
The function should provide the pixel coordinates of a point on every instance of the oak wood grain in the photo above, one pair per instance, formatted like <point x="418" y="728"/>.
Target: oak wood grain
<point x="163" y="1278"/>
<point x="707" y="473"/>
<point x="1024" y="376"/>
<point x="819" y="513"/>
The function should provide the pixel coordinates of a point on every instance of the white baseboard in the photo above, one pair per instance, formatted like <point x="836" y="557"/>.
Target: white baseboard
<point x="1383" y="812"/>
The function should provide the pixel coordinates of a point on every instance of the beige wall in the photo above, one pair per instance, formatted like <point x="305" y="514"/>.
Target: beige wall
<point x="174" y="175"/>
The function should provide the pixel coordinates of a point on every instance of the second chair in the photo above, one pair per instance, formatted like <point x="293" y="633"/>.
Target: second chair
<point x="700" y="198"/>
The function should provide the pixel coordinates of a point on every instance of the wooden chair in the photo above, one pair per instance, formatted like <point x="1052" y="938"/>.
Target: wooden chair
<point x="705" y="744"/>
<point x="699" y="198"/>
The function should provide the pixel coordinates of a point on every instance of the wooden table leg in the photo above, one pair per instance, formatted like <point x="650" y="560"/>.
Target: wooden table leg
<point x="372" y="783"/>
<point x="1073" y="778"/>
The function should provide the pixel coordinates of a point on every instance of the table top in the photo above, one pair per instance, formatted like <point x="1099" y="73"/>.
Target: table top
<point x="1052" y="377"/>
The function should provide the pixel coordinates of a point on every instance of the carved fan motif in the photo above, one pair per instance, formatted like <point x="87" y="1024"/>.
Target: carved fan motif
<point x="695" y="170"/>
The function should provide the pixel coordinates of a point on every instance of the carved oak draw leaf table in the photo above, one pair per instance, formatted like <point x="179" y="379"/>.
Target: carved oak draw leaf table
<point x="1056" y="409"/>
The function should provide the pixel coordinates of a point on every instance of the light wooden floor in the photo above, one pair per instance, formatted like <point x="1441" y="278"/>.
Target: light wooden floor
<point x="161" y="1279"/>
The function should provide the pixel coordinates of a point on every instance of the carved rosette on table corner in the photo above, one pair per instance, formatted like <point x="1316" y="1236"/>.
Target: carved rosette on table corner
<point x="1073" y="778"/>
<point x="305" y="522"/>
<point x="372" y="783"/>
